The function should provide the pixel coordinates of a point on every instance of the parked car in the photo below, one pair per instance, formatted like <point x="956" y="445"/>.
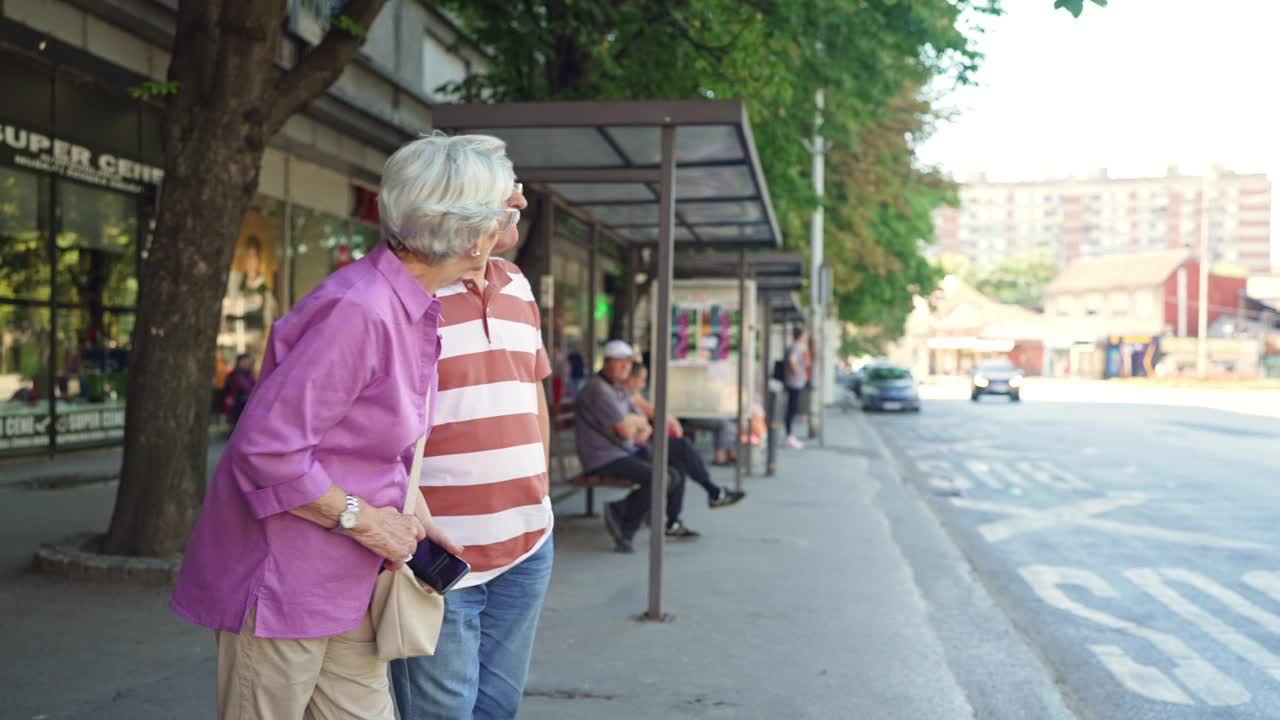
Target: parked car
<point x="996" y="378"/>
<point x="889" y="387"/>
<point x="855" y="381"/>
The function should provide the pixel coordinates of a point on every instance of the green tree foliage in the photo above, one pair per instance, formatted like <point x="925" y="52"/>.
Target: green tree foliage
<point x="871" y="57"/>
<point x="1017" y="280"/>
<point x="1075" y="7"/>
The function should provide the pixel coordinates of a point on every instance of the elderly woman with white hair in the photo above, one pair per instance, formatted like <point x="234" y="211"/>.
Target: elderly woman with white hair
<point x="304" y="510"/>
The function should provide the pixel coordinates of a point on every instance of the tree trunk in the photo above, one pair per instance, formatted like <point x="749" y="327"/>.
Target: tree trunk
<point x="229" y="101"/>
<point x="162" y="483"/>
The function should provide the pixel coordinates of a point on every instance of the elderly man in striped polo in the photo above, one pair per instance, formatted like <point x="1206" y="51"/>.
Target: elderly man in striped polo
<point x="484" y="476"/>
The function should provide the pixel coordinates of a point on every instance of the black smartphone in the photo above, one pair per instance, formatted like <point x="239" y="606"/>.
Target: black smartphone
<point x="436" y="567"/>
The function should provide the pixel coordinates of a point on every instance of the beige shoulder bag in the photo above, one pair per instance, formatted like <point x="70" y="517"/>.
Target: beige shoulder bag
<point x="406" y="617"/>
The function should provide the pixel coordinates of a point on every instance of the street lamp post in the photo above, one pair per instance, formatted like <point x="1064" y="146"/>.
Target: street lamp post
<point x="817" y="151"/>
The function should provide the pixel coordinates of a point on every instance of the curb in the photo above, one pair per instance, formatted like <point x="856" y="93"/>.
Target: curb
<point x="73" y="558"/>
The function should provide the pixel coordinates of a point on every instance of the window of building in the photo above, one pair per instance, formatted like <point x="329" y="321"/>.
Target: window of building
<point x="24" y="250"/>
<point x="440" y="66"/>
<point x="323" y="243"/>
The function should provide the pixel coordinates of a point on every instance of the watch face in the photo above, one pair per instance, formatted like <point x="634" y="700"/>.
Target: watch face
<point x="347" y="520"/>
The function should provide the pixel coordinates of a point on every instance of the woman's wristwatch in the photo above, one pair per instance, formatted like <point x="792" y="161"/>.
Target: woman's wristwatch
<point x="350" y="516"/>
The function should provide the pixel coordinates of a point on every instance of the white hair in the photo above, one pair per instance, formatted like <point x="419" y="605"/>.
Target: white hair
<point x="441" y="195"/>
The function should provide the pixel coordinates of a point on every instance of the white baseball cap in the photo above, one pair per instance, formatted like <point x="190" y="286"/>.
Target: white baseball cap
<point x="618" y="350"/>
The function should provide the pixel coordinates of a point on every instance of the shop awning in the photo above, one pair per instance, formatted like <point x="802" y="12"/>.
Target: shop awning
<point x="604" y="159"/>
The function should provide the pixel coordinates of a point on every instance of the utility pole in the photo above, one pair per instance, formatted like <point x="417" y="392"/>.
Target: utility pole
<point x="1202" y="316"/>
<point x="817" y="151"/>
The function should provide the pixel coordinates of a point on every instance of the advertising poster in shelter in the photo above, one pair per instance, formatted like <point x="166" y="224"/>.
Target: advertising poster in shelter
<point x="703" y="334"/>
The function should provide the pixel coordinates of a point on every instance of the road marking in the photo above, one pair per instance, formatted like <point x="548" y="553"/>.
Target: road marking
<point x="1151" y="581"/>
<point x="1030" y="520"/>
<point x="1228" y="597"/>
<point x="1142" y="679"/>
<point x="978" y="447"/>
<point x="1200" y="676"/>
<point x="1050" y="474"/>
<point x="1264" y="581"/>
<point x="986" y="474"/>
<point x="942" y="475"/>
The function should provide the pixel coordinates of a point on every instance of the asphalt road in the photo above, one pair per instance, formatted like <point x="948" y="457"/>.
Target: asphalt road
<point x="1134" y="545"/>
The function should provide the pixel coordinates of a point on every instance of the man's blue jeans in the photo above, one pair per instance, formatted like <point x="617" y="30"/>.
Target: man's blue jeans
<point x="482" y="660"/>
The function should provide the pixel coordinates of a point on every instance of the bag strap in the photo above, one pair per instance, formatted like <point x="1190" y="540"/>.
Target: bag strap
<point x="415" y="472"/>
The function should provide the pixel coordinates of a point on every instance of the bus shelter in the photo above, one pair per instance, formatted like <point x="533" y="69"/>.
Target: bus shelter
<point x="657" y="173"/>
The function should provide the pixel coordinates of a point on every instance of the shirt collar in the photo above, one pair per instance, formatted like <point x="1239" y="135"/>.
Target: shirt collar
<point x="495" y="275"/>
<point x="415" y="299"/>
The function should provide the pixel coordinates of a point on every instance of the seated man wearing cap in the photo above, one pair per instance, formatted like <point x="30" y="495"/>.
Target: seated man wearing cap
<point x="608" y="428"/>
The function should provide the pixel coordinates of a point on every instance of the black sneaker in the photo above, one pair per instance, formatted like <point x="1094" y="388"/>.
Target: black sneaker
<point x="726" y="498"/>
<point x="677" y="531"/>
<point x="613" y="523"/>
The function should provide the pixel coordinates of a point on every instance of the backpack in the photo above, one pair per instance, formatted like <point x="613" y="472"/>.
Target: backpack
<point x="780" y="370"/>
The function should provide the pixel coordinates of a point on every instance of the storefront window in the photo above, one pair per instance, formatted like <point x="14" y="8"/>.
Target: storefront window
<point x="97" y="248"/>
<point x="24" y="381"/>
<point x="572" y="313"/>
<point x="24" y="254"/>
<point x="603" y="307"/>
<point x="91" y="374"/>
<point x="323" y="243"/>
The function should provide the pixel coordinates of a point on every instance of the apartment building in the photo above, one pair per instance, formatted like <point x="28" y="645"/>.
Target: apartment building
<point x="1106" y="216"/>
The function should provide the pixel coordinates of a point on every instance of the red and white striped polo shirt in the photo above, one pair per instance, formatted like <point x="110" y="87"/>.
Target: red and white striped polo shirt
<point x="484" y="471"/>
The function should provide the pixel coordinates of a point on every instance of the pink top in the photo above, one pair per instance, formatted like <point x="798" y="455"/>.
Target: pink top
<point x="340" y="402"/>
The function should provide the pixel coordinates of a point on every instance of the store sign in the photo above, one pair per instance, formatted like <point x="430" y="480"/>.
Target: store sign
<point x="24" y="431"/>
<point x="90" y="425"/>
<point x="309" y="19"/>
<point x="43" y="153"/>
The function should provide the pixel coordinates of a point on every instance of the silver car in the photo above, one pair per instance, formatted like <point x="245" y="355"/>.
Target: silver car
<point x="996" y="378"/>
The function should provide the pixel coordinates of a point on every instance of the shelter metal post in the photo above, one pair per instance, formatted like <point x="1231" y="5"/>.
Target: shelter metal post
<point x="543" y="233"/>
<point x="593" y="268"/>
<point x="771" y="417"/>
<point x="743" y="448"/>
<point x="661" y="357"/>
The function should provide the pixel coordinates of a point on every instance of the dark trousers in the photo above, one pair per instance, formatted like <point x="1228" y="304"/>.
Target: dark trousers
<point x="636" y="505"/>
<point x="683" y="456"/>
<point x="793" y="407"/>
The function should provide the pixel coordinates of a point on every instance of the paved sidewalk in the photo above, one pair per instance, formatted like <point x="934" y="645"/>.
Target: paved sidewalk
<point x="830" y="593"/>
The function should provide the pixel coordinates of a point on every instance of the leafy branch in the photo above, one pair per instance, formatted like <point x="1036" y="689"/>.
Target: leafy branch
<point x="152" y="89"/>
<point x="349" y="26"/>
<point x="1075" y="7"/>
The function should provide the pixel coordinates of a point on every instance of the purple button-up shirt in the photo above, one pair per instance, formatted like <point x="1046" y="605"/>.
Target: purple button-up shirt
<point x="340" y="402"/>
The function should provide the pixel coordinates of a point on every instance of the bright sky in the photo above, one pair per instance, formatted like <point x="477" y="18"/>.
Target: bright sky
<point x="1133" y="87"/>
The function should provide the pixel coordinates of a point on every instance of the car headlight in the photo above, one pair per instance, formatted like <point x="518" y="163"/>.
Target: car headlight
<point x="870" y="390"/>
<point x="1015" y="381"/>
<point x="980" y="381"/>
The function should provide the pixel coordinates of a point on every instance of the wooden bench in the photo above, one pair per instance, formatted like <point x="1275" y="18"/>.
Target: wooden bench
<point x="563" y="420"/>
<point x="591" y="482"/>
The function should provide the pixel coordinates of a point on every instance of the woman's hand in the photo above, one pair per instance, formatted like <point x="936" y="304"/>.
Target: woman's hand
<point x="389" y="534"/>
<point x="433" y="529"/>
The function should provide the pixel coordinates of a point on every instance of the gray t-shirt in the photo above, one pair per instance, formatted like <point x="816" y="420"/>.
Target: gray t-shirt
<point x="795" y="378"/>
<point x="599" y="406"/>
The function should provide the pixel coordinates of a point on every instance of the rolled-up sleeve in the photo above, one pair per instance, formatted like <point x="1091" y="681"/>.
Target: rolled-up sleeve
<point x="330" y="363"/>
